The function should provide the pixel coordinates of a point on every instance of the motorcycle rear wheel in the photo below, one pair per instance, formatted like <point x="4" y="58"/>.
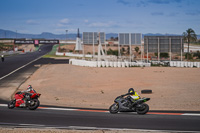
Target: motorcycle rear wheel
<point x="11" y="104"/>
<point x="114" y="108"/>
<point x="143" y="110"/>
<point x="34" y="104"/>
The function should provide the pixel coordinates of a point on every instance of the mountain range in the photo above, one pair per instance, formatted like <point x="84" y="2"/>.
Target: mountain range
<point x="69" y="36"/>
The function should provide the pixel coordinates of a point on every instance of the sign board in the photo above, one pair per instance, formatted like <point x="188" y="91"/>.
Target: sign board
<point x="92" y="37"/>
<point x="36" y="42"/>
<point x="23" y="41"/>
<point x="48" y="41"/>
<point x="163" y="44"/>
<point x="130" y="38"/>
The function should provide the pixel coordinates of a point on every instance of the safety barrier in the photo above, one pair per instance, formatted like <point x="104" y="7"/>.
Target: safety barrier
<point x="106" y="63"/>
<point x="184" y="64"/>
<point x="73" y="55"/>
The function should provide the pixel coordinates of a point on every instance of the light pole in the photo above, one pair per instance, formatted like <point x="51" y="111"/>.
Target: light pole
<point x="16" y="34"/>
<point x="66" y="34"/>
<point x="14" y="42"/>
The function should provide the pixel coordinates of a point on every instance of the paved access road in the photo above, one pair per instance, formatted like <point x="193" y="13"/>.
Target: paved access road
<point x="84" y="119"/>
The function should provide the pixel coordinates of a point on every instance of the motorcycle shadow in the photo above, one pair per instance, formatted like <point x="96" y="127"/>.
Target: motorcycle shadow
<point x="22" y="109"/>
<point x="129" y="113"/>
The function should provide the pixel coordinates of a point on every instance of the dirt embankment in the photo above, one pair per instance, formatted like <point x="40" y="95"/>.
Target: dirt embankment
<point x="75" y="86"/>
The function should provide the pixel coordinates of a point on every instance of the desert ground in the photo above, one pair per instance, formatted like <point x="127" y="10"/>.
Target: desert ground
<point x="75" y="86"/>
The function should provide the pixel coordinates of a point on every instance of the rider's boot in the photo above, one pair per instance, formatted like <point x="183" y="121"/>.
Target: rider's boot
<point x="23" y="104"/>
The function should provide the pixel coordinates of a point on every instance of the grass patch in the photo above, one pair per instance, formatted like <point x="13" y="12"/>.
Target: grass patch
<point x="50" y="56"/>
<point x="53" y="52"/>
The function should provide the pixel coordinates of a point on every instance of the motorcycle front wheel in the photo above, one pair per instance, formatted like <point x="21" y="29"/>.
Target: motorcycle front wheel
<point x="142" y="110"/>
<point x="34" y="103"/>
<point x="11" y="104"/>
<point x="114" y="108"/>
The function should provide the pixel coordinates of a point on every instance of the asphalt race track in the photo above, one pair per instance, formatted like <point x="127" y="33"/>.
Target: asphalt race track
<point x="87" y="119"/>
<point x="69" y="118"/>
<point x="11" y="63"/>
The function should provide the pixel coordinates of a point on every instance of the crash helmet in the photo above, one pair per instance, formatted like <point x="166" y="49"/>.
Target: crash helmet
<point x="29" y="88"/>
<point x="131" y="91"/>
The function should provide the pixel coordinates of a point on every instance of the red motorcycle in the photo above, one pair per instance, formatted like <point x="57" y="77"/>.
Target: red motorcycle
<point x="25" y="100"/>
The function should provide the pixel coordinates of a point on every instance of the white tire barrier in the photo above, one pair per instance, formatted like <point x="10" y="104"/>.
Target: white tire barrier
<point x="195" y="64"/>
<point x="123" y="64"/>
<point x="111" y="64"/>
<point x="103" y="64"/>
<point x="184" y="64"/>
<point x="99" y="63"/>
<point x="127" y="64"/>
<point x="119" y="64"/>
<point x="191" y="64"/>
<point x="198" y="64"/>
<point x="188" y="64"/>
<point x="171" y="63"/>
<point x="178" y="64"/>
<point x="115" y="64"/>
<point x="106" y="63"/>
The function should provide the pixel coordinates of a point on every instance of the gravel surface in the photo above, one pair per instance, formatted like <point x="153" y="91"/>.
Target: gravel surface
<point x="75" y="86"/>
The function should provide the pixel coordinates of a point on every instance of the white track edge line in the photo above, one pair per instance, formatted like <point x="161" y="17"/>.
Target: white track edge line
<point x="193" y="114"/>
<point x="15" y="125"/>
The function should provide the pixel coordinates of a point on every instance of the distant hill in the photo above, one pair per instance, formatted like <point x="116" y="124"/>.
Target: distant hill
<point x="70" y="36"/>
<point x="44" y="35"/>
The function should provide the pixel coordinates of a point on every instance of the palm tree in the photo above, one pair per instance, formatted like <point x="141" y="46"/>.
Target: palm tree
<point x="189" y="36"/>
<point x="137" y="49"/>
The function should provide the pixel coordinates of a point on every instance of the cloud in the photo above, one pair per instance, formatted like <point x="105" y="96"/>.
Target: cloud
<point x="63" y="30"/>
<point x="157" y="13"/>
<point x="139" y="3"/>
<point x="32" y="22"/>
<point x="164" y="1"/>
<point x="63" y="22"/>
<point x="103" y="24"/>
<point x="124" y="2"/>
<point x="86" y="21"/>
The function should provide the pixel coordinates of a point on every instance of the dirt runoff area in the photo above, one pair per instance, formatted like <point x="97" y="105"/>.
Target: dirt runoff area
<point x="85" y="87"/>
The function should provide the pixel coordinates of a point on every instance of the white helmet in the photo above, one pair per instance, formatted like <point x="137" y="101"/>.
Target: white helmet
<point x="29" y="88"/>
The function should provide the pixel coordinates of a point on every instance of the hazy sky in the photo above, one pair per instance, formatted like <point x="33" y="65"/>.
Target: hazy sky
<point x="110" y="16"/>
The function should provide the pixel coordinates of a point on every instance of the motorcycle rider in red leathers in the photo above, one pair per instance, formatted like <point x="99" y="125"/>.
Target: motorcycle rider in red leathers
<point x="28" y="94"/>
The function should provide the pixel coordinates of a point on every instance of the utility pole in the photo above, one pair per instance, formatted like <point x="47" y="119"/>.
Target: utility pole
<point x="16" y="34"/>
<point x="66" y="34"/>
